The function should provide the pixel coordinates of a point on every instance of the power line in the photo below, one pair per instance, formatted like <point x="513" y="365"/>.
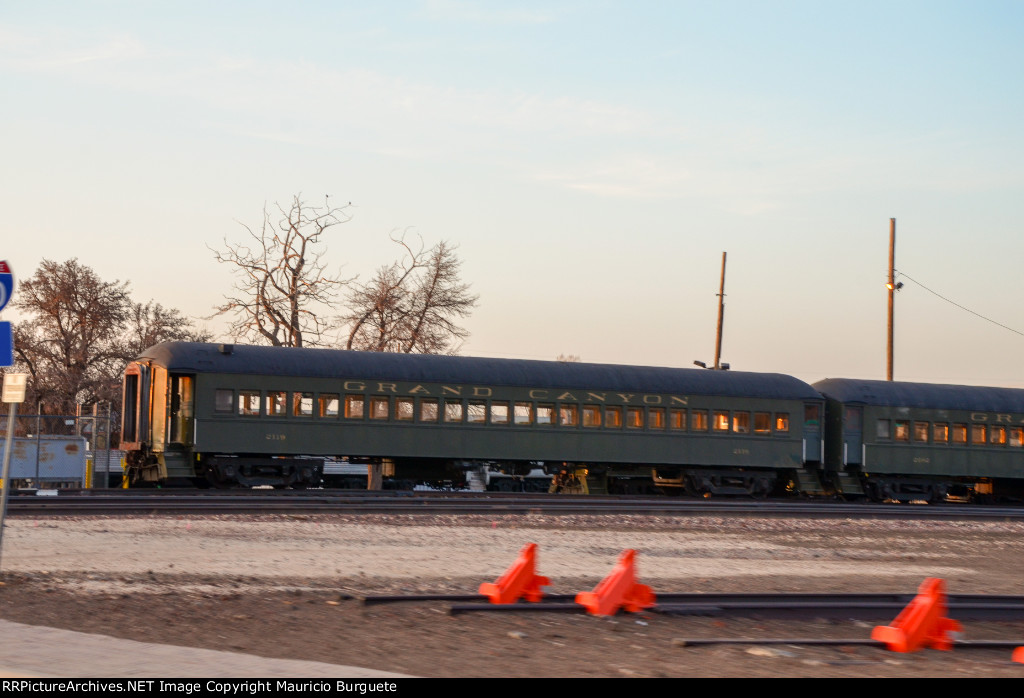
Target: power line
<point x="939" y="295"/>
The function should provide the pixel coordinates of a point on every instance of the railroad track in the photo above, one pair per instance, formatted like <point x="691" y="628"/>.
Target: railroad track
<point x="878" y="608"/>
<point x="211" y="502"/>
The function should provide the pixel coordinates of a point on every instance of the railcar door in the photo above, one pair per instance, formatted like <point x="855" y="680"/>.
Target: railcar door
<point x="812" y="432"/>
<point x="181" y="410"/>
<point x="135" y="414"/>
<point x="853" y="435"/>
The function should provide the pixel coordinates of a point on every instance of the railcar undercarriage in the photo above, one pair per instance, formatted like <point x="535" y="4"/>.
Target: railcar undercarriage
<point x="710" y="482"/>
<point x="256" y="471"/>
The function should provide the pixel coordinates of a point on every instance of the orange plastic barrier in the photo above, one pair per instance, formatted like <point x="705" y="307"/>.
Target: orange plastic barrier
<point x="519" y="580"/>
<point x="618" y="590"/>
<point x="1018" y="655"/>
<point x="922" y="622"/>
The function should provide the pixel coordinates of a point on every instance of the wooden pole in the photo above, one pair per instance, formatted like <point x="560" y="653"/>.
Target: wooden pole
<point x="721" y="316"/>
<point x="892" y="294"/>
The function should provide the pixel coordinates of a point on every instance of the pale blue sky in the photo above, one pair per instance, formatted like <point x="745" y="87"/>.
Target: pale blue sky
<point x="592" y="161"/>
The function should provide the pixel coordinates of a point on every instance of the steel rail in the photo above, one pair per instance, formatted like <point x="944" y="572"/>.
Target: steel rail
<point x="878" y="606"/>
<point x="118" y="502"/>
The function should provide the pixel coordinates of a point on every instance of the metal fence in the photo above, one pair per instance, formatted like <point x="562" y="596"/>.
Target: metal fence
<point x="56" y="451"/>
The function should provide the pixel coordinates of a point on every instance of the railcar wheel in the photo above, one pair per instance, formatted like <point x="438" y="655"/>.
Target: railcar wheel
<point x="215" y="482"/>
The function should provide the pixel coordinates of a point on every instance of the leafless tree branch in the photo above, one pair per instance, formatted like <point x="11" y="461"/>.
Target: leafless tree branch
<point x="283" y="290"/>
<point x="412" y="305"/>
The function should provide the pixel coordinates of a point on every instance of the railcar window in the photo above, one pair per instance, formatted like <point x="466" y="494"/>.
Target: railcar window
<point x="902" y="431"/>
<point x="634" y="417"/>
<point x="762" y="422"/>
<point x="328" y="405"/>
<point x="978" y="434"/>
<point x="959" y="433"/>
<point x="477" y="412"/>
<point x="720" y="422"/>
<point x="453" y="410"/>
<point x="302" y="404"/>
<point x="568" y="415"/>
<point x="248" y="402"/>
<point x="852" y="419"/>
<point x="613" y="417"/>
<point x="698" y="420"/>
<point x="677" y="420"/>
<point x="656" y="417"/>
<point x="921" y="431"/>
<point x="499" y="413"/>
<point x="741" y="422"/>
<point x="223" y="400"/>
<point x="428" y="409"/>
<point x="811" y="417"/>
<point x="545" y="414"/>
<point x="884" y="429"/>
<point x="354" y="406"/>
<point x="591" y="416"/>
<point x="131" y="407"/>
<point x="1016" y="437"/>
<point x="997" y="436"/>
<point x="404" y="409"/>
<point x="782" y="421"/>
<point x="277" y="403"/>
<point x="524" y="413"/>
<point x="379" y="407"/>
<point x="940" y="433"/>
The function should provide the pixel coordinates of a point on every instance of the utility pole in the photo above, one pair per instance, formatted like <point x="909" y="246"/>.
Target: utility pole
<point x="721" y="317"/>
<point x="892" y="293"/>
<point x="718" y="365"/>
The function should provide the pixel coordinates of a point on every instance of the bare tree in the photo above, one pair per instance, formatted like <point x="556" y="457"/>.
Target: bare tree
<point x="80" y="333"/>
<point x="282" y="287"/>
<point x="70" y="345"/>
<point x="412" y="305"/>
<point x="151" y="323"/>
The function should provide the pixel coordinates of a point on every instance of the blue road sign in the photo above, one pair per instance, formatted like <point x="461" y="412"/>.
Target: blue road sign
<point x="6" y="284"/>
<point x="6" y="344"/>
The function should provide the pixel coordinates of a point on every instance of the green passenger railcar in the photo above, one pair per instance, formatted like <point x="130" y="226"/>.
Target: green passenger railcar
<point x="912" y="441"/>
<point x="232" y="414"/>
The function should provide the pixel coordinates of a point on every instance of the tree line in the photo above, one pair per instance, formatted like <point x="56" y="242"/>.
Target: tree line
<point x="80" y="331"/>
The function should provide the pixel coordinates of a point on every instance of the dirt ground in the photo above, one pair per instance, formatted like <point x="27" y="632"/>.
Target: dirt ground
<point x="291" y="587"/>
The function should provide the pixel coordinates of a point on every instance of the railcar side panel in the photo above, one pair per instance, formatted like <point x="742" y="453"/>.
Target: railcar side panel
<point x="952" y="436"/>
<point x="259" y="413"/>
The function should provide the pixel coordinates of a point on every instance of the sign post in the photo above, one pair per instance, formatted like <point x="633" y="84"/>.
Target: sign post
<point x="13" y="393"/>
<point x="13" y="390"/>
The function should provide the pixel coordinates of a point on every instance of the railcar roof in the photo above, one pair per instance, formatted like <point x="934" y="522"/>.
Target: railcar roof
<point x="192" y="357"/>
<point x="922" y="395"/>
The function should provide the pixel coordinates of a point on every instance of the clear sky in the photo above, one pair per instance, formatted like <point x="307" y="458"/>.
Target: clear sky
<point x="592" y="160"/>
